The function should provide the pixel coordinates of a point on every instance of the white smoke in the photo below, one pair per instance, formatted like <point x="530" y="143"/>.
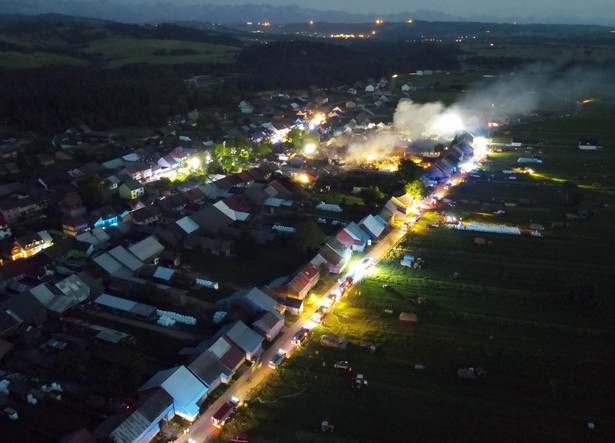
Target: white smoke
<point x="381" y="144"/>
<point x="536" y="87"/>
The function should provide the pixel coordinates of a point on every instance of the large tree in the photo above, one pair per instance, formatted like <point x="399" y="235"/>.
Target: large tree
<point x="407" y="172"/>
<point x="94" y="190"/>
<point x="308" y="236"/>
<point x="372" y="196"/>
<point x="414" y="189"/>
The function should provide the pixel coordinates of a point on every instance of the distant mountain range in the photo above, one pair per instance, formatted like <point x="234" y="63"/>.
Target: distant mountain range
<point x="167" y="11"/>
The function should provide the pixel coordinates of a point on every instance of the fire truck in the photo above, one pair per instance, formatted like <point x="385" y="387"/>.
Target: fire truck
<point x="225" y="412"/>
<point x="319" y="314"/>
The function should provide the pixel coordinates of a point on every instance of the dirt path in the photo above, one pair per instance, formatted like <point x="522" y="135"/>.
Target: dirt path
<point x="180" y="335"/>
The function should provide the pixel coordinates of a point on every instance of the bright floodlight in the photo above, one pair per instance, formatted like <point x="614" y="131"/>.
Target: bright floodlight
<point x="480" y="146"/>
<point x="194" y="162"/>
<point x="309" y="148"/>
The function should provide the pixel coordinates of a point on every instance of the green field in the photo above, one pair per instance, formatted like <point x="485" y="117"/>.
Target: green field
<point x="119" y="51"/>
<point x="536" y="313"/>
<point x="20" y="60"/>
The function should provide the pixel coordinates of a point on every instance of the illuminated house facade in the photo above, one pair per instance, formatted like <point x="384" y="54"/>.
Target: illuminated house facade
<point x="131" y="190"/>
<point x="30" y="244"/>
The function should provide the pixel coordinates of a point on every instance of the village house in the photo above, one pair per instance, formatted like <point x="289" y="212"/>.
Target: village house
<point x="249" y="341"/>
<point x="139" y="424"/>
<point x="334" y="254"/>
<point x="209" y="369"/>
<point x="296" y="285"/>
<point x="30" y="244"/>
<point x="269" y="325"/>
<point x="186" y="390"/>
<point x="131" y="190"/>
<point x="74" y="226"/>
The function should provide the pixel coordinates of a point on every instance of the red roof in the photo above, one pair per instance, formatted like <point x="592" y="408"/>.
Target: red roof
<point x="195" y="194"/>
<point x="236" y="204"/>
<point x="300" y="281"/>
<point x="177" y="153"/>
<point x="345" y="238"/>
<point x="310" y="271"/>
<point x="244" y="176"/>
<point x="234" y="356"/>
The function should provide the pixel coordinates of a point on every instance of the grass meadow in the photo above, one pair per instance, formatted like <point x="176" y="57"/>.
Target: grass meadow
<point x="119" y="51"/>
<point x="507" y="307"/>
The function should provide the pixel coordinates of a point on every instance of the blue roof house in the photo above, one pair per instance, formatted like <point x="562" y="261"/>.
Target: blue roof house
<point x="187" y="391"/>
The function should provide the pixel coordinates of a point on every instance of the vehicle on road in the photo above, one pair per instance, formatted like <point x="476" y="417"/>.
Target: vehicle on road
<point x="278" y="359"/>
<point x="300" y="336"/>
<point x="225" y="412"/>
<point x="240" y="438"/>
<point x="320" y="314"/>
<point x="329" y="300"/>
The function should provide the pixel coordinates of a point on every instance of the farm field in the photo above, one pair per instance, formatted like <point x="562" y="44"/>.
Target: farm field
<point x="536" y="312"/>
<point x="118" y="51"/>
<point x="19" y="60"/>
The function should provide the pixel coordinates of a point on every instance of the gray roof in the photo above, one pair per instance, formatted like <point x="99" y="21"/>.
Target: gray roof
<point x="208" y="368"/>
<point x="260" y="299"/>
<point x="211" y="219"/>
<point x="270" y="319"/>
<point x="110" y="265"/>
<point x="125" y="305"/>
<point x="187" y="224"/>
<point x="72" y="286"/>
<point x="109" y="335"/>
<point x="125" y="257"/>
<point x="244" y="337"/>
<point x="61" y="303"/>
<point x="163" y="273"/>
<point x="135" y="426"/>
<point x="42" y="293"/>
<point x="146" y="248"/>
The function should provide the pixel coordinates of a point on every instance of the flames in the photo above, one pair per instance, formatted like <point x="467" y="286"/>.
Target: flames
<point x="318" y="119"/>
<point x="589" y="100"/>
<point x="376" y="162"/>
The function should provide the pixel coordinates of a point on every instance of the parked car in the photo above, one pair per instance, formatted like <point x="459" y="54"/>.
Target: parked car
<point x="342" y="365"/>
